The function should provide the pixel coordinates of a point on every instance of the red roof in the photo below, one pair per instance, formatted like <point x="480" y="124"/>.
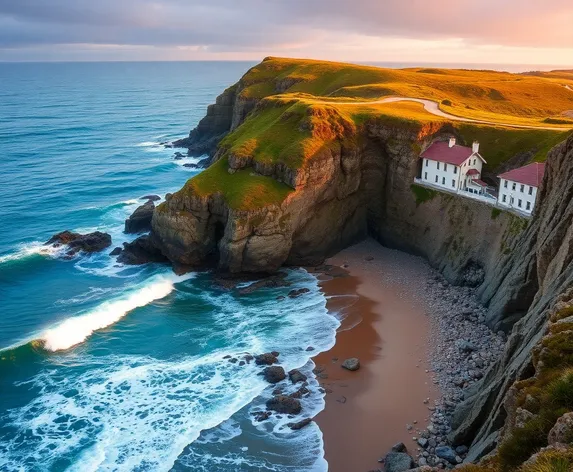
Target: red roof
<point x="442" y="152"/>
<point x="473" y="172"/>
<point x="479" y="182"/>
<point x="531" y="174"/>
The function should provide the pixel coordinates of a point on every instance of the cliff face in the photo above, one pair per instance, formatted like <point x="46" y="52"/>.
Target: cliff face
<point x="538" y="269"/>
<point x="359" y="181"/>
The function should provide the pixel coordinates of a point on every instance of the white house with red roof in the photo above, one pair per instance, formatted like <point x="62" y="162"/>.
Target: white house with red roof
<point x="518" y="187"/>
<point x="453" y="167"/>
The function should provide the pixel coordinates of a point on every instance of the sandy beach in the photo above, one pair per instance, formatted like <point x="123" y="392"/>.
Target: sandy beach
<point x="385" y="325"/>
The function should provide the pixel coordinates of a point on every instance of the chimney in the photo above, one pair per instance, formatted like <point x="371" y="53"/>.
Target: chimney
<point x="475" y="147"/>
<point x="452" y="142"/>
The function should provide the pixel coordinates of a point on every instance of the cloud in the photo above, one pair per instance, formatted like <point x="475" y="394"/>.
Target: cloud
<point x="232" y="26"/>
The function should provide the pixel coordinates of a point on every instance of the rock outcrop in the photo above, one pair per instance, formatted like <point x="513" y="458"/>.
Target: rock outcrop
<point x="533" y="279"/>
<point x="140" y="220"/>
<point x="76" y="242"/>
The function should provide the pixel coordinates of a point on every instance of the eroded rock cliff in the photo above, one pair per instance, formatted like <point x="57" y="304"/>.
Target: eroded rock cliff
<point x="529" y="282"/>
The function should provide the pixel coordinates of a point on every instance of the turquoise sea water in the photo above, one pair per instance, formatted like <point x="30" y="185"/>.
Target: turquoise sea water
<point x="130" y="372"/>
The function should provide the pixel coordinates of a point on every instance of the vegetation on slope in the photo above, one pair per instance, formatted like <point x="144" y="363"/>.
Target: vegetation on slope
<point x="545" y="397"/>
<point x="242" y="190"/>
<point x="306" y="108"/>
<point x="483" y="95"/>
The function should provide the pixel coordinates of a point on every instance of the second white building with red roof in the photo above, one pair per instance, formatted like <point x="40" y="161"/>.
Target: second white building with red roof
<point x="518" y="187"/>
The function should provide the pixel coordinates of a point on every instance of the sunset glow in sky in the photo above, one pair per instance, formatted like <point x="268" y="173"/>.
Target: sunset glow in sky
<point x="419" y="31"/>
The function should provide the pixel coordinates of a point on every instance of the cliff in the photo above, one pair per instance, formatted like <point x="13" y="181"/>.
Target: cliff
<point x="536" y="277"/>
<point x="298" y="173"/>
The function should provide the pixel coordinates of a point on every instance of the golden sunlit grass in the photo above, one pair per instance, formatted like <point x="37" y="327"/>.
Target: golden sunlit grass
<point x="484" y="95"/>
<point x="307" y="108"/>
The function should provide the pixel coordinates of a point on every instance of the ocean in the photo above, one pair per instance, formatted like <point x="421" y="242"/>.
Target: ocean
<point x="114" y="368"/>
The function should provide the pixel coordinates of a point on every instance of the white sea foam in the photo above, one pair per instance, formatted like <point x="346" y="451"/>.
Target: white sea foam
<point x="35" y="248"/>
<point x="126" y="413"/>
<point x="76" y="330"/>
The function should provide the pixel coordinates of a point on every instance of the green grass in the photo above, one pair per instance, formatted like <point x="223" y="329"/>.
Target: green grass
<point x="498" y="144"/>
<point x="422" y="194"/>
<point x="548" y="395"/>
<point x="241" y="190"/>
<point x="320" y="109"/>
<point x="495" y="212"/>
<point x="484" y="95"/>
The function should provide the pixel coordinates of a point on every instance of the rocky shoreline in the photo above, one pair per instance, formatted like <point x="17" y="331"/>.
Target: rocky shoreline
<point x="461" y="351"/>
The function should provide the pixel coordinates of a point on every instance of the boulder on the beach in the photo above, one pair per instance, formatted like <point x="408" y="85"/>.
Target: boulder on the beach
<point x="140" y="219"/>
<point x="267" y="358"/>
<point x="140" y="251"/>
<point x="285" y="405"/>
<point x="399" y="447"/>
<point x="446" y="453"/>
<point x="296" y="376"/>
<point x="274" y="374"/>
<point x="76" y="242"/>
<point x="300" y="424"/>
<point x="351" y="364"/>
<point x="397" y="462"/>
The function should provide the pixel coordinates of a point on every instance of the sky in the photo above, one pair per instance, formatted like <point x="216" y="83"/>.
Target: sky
<point x="403" y="31"/>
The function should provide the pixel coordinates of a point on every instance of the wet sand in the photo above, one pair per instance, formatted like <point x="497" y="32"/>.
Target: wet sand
<point x="385" y="326"/>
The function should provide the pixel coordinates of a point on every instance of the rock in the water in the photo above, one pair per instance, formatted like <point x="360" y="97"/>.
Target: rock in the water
<point x="92" y="242"/>
<point x="266" y="359"/>
<point x="284" y="404"/>
<point x="296" y="376"/>
<point x="298" y="293"/>
<point x="397" y="462"/>
<point x="562" y="432"/>
<point x="273" y="281"/>
<point x="351" y="364"/>
<point x="116" y="251"/>
<point x="140" y="219"/>
<point x="446" y="453"/>
<point x="274" y="374"/>
<point x="140" y="251"/>
<point x="152" y="197"/>
<point x="262" y="415"/>
<point x="301" y="424"/>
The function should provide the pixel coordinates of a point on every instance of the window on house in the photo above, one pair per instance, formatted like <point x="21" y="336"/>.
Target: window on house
<point x="453" y="183"/>
<point x="522" y="188"/>
<point x="519" y="203"/>
<point x="425" y="176"/>
<point x="436" y="179"/>
<point x="443" y="181"/>
<point x="455" y="169"/>
<point x="530" y="190"/>
<point x="427" y="162"/>
<point x="513" y="186"/>
<point x="438" y="165"/>
<point x="474" y="162"/>
<point x="445" y="167"/>
<point x="504" y="198"/>
<point x="528" y="206"/>
<point x="505" y="183"/>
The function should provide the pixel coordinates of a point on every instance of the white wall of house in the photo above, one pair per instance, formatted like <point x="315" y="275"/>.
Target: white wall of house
<point x="515" y="195"/>
<point x="473" y="162"/>
<point x="441" y="174"/>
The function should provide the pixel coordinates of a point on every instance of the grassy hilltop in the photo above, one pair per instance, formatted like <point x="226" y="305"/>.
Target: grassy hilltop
<point x="306" y="106"/>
